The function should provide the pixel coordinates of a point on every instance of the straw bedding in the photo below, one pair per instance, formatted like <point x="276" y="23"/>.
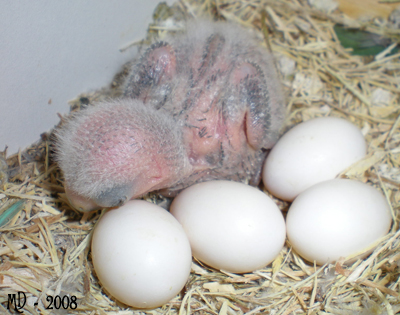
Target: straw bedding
<point x="45" y="248"/>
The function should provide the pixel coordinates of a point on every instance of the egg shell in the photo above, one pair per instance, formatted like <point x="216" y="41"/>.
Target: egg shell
<point x="231" y="226"/>
<point x="141" y="254"/>
<point x="337" y="218"/>
<point x="312" y="152"/>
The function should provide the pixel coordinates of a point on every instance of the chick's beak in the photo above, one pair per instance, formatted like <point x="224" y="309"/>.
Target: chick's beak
<point x="80" y="203"/>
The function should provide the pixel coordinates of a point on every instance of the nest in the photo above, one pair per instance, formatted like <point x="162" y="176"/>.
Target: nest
<point x="45" y="245"/>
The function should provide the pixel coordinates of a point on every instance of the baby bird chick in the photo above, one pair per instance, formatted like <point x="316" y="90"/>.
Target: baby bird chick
<point x="202" y="105"/>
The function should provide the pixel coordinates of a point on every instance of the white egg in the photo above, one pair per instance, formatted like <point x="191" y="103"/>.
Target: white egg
<point x="231" y="226"/>
<point x="337" y="218"/>
<point x="141" y="254"/>
<point x="312" y="152"/>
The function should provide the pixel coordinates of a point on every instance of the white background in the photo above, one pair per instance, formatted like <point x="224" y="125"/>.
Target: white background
<point x="54" y="50"/>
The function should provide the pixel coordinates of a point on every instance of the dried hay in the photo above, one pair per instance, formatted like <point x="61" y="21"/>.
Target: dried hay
<point x="44" y="249"/>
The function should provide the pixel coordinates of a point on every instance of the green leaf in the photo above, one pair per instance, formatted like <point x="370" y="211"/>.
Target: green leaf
<point x="363" y="43"/>
<point x="11" y="212"/>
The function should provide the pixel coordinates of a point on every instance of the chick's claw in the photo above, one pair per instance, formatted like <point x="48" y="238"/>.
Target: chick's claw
<point x="202" y="105"/>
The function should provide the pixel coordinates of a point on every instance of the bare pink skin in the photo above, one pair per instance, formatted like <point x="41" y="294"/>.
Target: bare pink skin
<point x="200" y="106"/>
